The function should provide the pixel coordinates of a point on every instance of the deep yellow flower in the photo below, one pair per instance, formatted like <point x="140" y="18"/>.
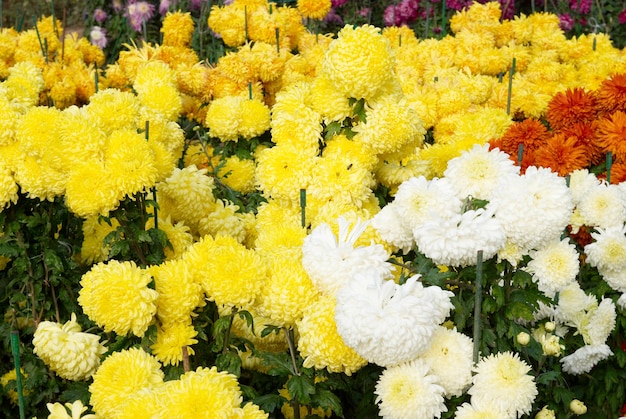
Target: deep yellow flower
<point x="112" y="109"/>
<point x="171" y="338"/>
<point x="314" y="9"/>
<point x="177" y="29"/>
<point x="238" y="174"/>
<point x="93" y="249"/>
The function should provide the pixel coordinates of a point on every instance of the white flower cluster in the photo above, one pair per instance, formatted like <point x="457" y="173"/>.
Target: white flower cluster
<point x="70" y="353"/>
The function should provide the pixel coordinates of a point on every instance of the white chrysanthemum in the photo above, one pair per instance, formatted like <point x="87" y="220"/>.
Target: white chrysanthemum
<point x="597" y="324"/>
<point x="539" y="195"/>
<point x="580" y="183"/>
<point x="554" y="266"/>
<point x="503" y="379"/>
<point x="418" y="197"/>
<point x="456" y="240"/>
<point x="608" y="250"/>
<point x="69" y="352"/>
<point x="387" y="323"/>
<point x="450" y="358"/>
<point x="603" y="206"/>
<point x="621" y="301"/>
<point x="572" y="301"/>
<point x="585" y="358"/>
<point x="615" y="279"/>
<point x="482" y="410"/>
<point x="408" y="391"/>
<point x="480" y="171"/>
<point x="389" y="225"/>
<point x="331" y="260"/>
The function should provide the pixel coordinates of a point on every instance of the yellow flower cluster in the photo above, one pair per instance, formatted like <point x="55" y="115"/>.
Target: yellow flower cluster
<point x="232" y="117"/>
<point x="69" y="352"/>
<point x="6" y="378"/>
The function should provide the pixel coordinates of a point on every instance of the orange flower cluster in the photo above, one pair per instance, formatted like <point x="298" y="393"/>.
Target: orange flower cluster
<point x="579" y="128"/>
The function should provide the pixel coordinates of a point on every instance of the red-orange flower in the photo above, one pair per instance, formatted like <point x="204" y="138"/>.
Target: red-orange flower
<point x="618" y="172"/>
<point x="612" y="133"/>
<point x="587" y="136"/>
<point x="611" y="95"/>
<point x="573" y="105"/>
<point x="529" y="132"/>
<point x="562" y="155"/>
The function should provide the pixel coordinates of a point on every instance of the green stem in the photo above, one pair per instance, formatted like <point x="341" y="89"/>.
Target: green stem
<point x="510" y="91"/>
<point x="15" y="348"/>
<point x="609" y="164"/>
<point x="227" y="333"/>
<point x="292" y="351"/>
<point x="477" y="304"/>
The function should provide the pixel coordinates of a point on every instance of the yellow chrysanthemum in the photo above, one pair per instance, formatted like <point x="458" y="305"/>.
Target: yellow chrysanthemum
<point x="390" y="125"/>
<point x="8" y="187"/>
<point x="203" y="393"/>
<point x="38" y="179"/>
<point x="340" y="180"/>
<point x="112" y="110"/>
<point x="161" y="100"/>
<point x="279" y="230"/>
<point x="223" y="220"/>
<point x="255" y="118"/>
<point x="24" y="84"/>
<point x="72" y="410"/>
<point x="287" y="291"/>
<point x="283" y="170"/>
<point x="80" y="138"/>
<point x="359" y="61"/>
<point x="69" y="352"/>
<point x="294" y="121"/>
<point x="115" y="77"/>
<point x="115" y="295"/>
<point x="314" y="9"/>
<point x="90" y="190"/>
<point x="238" y="174"/>
<point x="121" y="377"/>
<point x="230" y="274"/>
<point x="320" y="344"/>
<point x="288" y="412"/>
<point x="177" y="29"/>
<point x="223" y="117"/>
<point x="178" y="293"/>
<point x="93" y="249"/>
<point x="12" y="376"/>
<point x="171" y="338"/>
<point x="326" y="100"/>
<point x="177" y="234"/>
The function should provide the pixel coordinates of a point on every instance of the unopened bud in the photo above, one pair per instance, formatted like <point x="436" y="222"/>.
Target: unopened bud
<point x="523" y="338"/>
<point x="577" y="407"/>
<point x="545" y="413"/>
<point x="549" y="326"/>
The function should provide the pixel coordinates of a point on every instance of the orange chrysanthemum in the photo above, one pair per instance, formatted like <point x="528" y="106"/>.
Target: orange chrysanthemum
<point x="618" y="172"/>
<point x="587" y="136"/>
<point x="612" y="133"/>
<point x="529" y="132"/>
<point x="612" y="94"/>
<point x="573" y="105"/>
<point x="562" y="155"/>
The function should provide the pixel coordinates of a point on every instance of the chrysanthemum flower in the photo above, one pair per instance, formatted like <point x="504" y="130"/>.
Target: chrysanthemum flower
<point x="287" y="291"/>
<point x="8" y="187"/>
<point x="612" y="131"/>
<point x="223" y="117"/>
<point x="603" y="206"/>
<point x="359" y="61"/>
<point x="171" y="338"/>
<point x="387" y="323"/>
<point x="229" y="23"/>
<point x="608" y="250"/>
<point x="24" y="84"/>
<point x="328" y="101"/>
<point x="70" y="353"/>
<point x="585" y="134"/>
<point x="314" y="9"/>
<point x="409" y="391"/>
<point x="612" y="94"/>
<point x="529" y="132"/>
<point x="90" y="190"/>
<point x="342" y="257"/>
<point x="121" y="377"/>
<point x="341" y="181"/>
<point x="449" y="358"/>
<point x="389" y="225"/>
<point x="573" y="105"/>
<point x="503" y="379"/>
<point x="178" y="293"/>
<point x="255" y="118"/>
<point x="177" y="29"/>
<point x="112" y="110"/>
<point x="320" y="344"/>
<point x="562" y="154"/>
<point x="481" y="410"/>
<point x="115" y="295"/>
<point x="479" y="171"/>
<point x="223" y="219"/>
<point x="554" y="266"/>
<point x="72" y="410"/>
<point x="585" y="358"/>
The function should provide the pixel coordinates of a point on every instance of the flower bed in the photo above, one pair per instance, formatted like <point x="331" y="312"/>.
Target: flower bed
<point x="360" y="225"/>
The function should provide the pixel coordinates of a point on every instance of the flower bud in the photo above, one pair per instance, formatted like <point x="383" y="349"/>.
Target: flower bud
<point x="577" y="407"/>
<point x="545" y="413"/>
<point x="549" y="326"/>
<point x="523" y="338"/>
<point x="551" y="345"/>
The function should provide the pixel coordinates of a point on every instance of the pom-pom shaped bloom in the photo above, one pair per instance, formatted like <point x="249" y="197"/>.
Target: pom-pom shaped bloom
<point x="8" y="187"/>
<point x="388" y="223"/>
<point x="314" y="9"/>
<point x="359" y="61"/>
<point x="238" y="174"/>
<point x="390" y="125"/>
<point x="585" y="358"/>
<point x="171" y="339"/>
<point x="503" y="379"/>
<point x="255" y="118"/>
<point x="177" y="29"/>
<point x="113" y="109"/>
<point x="121" y="377"/>
<point x="554" y="266"/>
<point x="320" y="344"/>
<point x="69" y="352"/>
<point x="479" y="172"/>
<point x="387" y="323"/>
<point x="603" y="206"/>
<point x="116" y="296"/>
<point x="341" y="256"/>
<point x="480" y="410"/>
<point x="409" y="391"/>
<point x="450" y="359"/>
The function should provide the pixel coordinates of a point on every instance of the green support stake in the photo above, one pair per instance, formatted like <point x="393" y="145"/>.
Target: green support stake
<point x="609" y="163"/>
<point x="478" y="301"/>
<point x="510" y="92"/>
<point x="15" y="348"/>
<point x="520" y="154"/>
<point x="303" y="207"/>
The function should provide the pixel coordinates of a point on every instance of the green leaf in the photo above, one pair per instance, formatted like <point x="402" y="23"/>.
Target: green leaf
<point x="279" y="363"/>
<point x="546" y="377"/>
<point x="229" y="361"/>
<point x="245" y="315"/>
<point x="52" y="260"/>
<point x="301" y="387"/>
<point x="270" y="329"/>
<point x="270" y="402"/>
<point x="326" y="399"/>
<point x="332" y="129"/>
